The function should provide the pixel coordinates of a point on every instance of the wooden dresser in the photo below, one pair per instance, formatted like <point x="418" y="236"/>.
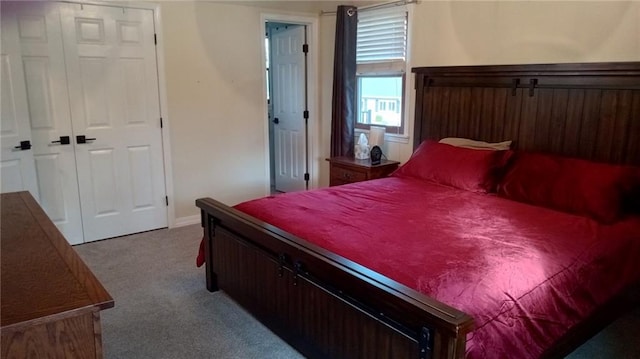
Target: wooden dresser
<point x="345" y="170"/>
<point x="50" y="300"/>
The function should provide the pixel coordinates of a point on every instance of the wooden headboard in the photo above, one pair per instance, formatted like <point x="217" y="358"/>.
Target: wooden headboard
<point x="585" y="110"/>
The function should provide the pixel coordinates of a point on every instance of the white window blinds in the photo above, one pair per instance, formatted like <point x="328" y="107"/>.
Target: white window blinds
<point x="382" y="37"/>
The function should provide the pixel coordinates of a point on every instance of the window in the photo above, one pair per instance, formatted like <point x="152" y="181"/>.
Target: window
<point x="381" y="64"/>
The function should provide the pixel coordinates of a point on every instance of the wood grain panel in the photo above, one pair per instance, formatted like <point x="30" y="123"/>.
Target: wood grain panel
<point x="97" y="334"/>
<point x="590" y="121"/>
<point x="542" y="124"/>
<point x="484" y="120"/>
<point x="456" y="107"/>
<point x="68" y="338"/>
<point x="499" y="105"/>
<point x="471" y="113"/>
<point x="527" y="133"/>
<point x="607" y="125"/>
<point x="345" y="170"/>
<point x="512" y="121"/>
<point x="557" y="119"/>
<point x="420" y="108"/>
<point x="468" y="112"/>
<point x="575" y="106"/>
<point x="308" y="309"/>
<point x="577" y="110"/>
<point x="620" y="128"/>
<point x="633" y="141"/>
<point x="440" y="108"/>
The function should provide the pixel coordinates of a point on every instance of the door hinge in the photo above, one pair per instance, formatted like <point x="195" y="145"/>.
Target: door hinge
<point x="155" y="39"/>
<point x="160" y="122"/>
<point x="305" y="114"/>
<point x="166" y="200"/>
<point x="306" y="177"/>
<point x="305" y="48"/>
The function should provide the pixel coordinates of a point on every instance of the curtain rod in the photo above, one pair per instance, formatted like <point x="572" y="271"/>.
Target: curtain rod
<point x="376" y="6"/>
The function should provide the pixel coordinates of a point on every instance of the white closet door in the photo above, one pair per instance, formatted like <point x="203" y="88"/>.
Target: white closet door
<point x="44" y="78"/>
<point x="17" y="169"/>
<point x="112" y="76"/>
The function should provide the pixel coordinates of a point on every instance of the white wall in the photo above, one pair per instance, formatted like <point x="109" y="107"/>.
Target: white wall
<point x="214" y="74"/>
<point x="215" y="102"/>
<point x="503" y="32"/>
<point x="327" y="40"/>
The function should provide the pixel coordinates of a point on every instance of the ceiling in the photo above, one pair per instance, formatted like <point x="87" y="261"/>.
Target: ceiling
<point x="307" y="6"/>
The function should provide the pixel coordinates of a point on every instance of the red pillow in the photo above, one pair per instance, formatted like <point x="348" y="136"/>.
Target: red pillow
<point x="470" y="169"/>
<point x="597" y="190"/>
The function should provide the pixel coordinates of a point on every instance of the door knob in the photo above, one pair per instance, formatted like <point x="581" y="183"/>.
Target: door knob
<point x="24" y="145"/>
<point x="83" y="139"/>
<point x="64" y="140"/>
<point x="276" y="120"/>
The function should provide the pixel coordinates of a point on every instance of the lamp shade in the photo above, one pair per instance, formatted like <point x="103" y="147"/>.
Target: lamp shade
<point x="376" y="136"/>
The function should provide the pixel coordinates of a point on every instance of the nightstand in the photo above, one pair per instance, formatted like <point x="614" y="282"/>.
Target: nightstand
<point x="345" y="170"/>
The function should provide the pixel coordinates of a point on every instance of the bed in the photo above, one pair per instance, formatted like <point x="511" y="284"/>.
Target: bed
<point x="329" y="300"/>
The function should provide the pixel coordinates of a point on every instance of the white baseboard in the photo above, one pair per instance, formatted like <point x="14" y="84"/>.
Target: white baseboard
<point x="186" y="221"/>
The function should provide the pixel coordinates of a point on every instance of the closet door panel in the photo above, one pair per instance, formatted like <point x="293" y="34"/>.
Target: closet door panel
<point x="52" y="189"/>
<point x="103" y="182"/>
<point x="48" y="117"/>
<point x="133" y="80"/>
<point x="114" y="47"/>
<point x="37" y="79"/>
<point x="17" y="170"/>
<point x="95" y="98"/>
<point x="140" y="162"/>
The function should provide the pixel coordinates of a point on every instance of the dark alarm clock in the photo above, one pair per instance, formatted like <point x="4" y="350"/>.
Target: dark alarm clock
<point x="376" y="155"/>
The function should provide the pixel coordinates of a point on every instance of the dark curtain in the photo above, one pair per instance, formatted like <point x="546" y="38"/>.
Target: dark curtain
<point x="343" y="113"/>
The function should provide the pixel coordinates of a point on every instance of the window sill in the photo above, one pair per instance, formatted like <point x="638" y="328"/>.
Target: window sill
<point x="388" y="137"/>
<point x="392" y="137"/>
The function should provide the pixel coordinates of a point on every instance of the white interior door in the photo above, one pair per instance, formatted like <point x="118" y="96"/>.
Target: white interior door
<point x="44" y="77"/>
<point x="17" y="168"/>
<point x="112" y="76"/>
<point x="287" y="67"/>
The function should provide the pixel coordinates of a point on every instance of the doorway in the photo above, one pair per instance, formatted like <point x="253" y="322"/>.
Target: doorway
<point x="286" y="50"/>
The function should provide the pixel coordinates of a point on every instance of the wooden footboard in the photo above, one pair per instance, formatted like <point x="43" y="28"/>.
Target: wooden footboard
<point x="322" y="304"/>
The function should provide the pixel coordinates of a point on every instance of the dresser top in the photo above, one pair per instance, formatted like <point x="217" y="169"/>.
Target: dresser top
<point x="42" y="275"/>
<point x="364" y="163"/>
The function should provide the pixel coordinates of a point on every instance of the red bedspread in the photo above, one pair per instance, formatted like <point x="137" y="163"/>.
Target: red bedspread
<point x="524" y="273"/>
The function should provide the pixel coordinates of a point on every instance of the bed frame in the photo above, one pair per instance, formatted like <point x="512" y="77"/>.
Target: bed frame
<point x="326" y="306"/>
